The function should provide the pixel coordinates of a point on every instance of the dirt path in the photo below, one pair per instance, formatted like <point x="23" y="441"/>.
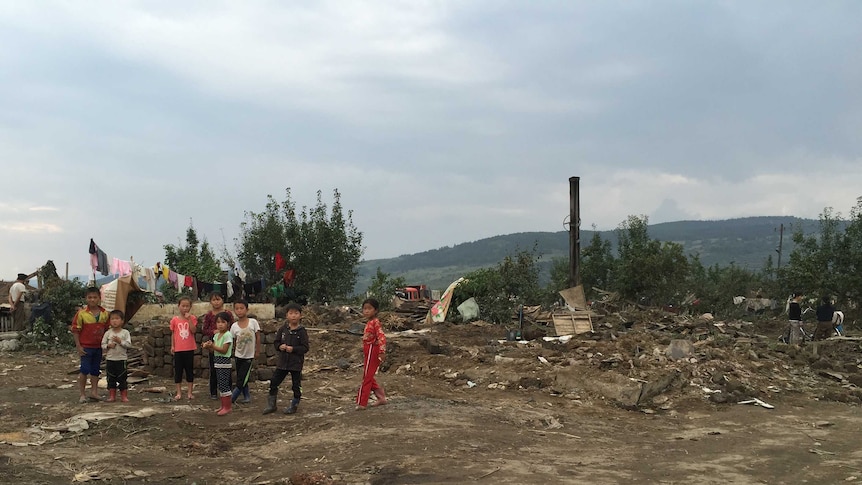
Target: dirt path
<point x="432" y="432"/>
<point x="467" y="407"/>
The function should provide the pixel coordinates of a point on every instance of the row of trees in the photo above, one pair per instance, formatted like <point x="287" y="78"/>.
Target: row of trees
<point x="320" y="243"/>
<point x="324" y="247"/>
<point x="642" y="269"/>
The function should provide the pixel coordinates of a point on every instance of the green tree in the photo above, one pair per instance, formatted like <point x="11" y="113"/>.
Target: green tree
<point x="815" y="264"/>
<point x="320" y="243"/>
<point x="66" y="297"/>
<point x="597" y="265"/>
<point x="648" y="268"/>
<point x="196" y="258"/>
<point x="500" y="290"/>
<point x="383" y="287"/>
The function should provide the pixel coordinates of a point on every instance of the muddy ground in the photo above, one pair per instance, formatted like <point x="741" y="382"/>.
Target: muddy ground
<point x="466" y="406"/>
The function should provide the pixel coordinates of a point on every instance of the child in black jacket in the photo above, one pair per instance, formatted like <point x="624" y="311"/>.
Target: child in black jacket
<point x="291" y="343"/>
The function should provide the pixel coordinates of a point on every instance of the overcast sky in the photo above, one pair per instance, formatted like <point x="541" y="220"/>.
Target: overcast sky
<point x="440" y="122"/>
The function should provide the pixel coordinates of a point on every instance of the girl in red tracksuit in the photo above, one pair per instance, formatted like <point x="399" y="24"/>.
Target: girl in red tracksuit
<point x="374" y="351"/>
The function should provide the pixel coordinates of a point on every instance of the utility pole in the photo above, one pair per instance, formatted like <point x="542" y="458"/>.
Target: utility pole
<point x="780" y="243"/>
<point x="574" y="231"/>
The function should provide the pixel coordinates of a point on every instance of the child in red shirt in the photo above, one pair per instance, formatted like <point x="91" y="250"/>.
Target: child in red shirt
<point x="374" y="352"/>
<point x="183" y="346"/>
<point x="88" y="326"/>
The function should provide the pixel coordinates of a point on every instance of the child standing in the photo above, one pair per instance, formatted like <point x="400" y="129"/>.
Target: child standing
<point x="115" y="343"/>
<point x="183" y="346"/>
<point x="88" y="326"/>
<point x="374" y="352"/>
<point x="291" y="342"/>
<point x="208" y="330"/>
<point x="221" y="345"/>
<point x="246" y="337"/>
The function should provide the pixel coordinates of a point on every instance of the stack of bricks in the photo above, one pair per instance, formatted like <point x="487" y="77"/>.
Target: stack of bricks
<point x="158" y="360"/>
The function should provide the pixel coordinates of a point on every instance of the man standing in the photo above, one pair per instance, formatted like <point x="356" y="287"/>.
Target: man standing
<point x="825" y="312"/>
<point x="16" y="297"/>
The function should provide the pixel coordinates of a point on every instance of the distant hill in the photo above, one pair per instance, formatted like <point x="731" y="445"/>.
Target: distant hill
<point x="745" y="242"/>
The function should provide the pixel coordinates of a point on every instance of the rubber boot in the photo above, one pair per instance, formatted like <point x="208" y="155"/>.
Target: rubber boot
<point x="271" y="402"/>
<point x="246" y="394"/>
<point x="124" y="395"/>
<point x="112" y="395"/>
<point x="294" y="403"/>
<point x="225" y="406"/>
<point x="235" y="394"/>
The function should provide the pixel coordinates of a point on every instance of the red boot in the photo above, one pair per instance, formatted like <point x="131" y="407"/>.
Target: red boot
<point x="225" y="406"/>
<point x="112" y="395"/>
<point x="124" y="395"/>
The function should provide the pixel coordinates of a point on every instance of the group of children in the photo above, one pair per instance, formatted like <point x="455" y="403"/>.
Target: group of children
<point x="97" y="332"/>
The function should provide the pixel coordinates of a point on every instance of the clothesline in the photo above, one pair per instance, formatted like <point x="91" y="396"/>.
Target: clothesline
<point x="99" y="262"/>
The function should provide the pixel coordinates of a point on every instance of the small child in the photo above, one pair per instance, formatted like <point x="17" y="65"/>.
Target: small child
<point x="88" y="327"/>
<point x="115" y="343"/>
<point x="291" y="342"/>
<point x="246" y="337"/>
<point x="221" y="345"/>
<point x="209" y="329"/>
<point x="183" y="346"/>
<point x="374" y="352"/>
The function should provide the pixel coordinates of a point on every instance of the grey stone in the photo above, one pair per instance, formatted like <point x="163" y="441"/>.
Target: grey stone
<point x="679" y="349"/>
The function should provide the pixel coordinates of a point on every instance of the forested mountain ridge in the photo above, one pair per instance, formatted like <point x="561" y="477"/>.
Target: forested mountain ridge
<point x="746" y="242"/>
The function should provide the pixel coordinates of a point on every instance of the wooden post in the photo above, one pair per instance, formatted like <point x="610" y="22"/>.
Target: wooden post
<point x="574" y="231"/>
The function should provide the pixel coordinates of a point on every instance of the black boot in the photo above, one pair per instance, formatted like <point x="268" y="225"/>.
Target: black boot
<point x="294" y="403"/>
<point x="271" y="404"/>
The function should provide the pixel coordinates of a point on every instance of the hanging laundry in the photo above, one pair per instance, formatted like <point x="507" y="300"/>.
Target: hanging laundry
<point x="94" y="258"/>
<point x="280" y="263"/>
<point x="253" y="289"/>
<point x="241" y="274"/>
<point x="229" y="288"/>
<point x="189" y="282"/>
<point x="277" y="291"/>
<point x="172" y="279"/>
<point x="205" y="289"/>
<point x="181" y="281"/>
<point x="195" y="294"/>
<point x="150" y="278"/>
<point x="166" y="273"/>
<point x="289" y="277"/>
<point x="121" y="267"/>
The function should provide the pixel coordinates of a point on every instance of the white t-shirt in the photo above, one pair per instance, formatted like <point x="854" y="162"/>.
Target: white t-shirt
<point x="245" y="338"/>
<point x="17" y="290"/>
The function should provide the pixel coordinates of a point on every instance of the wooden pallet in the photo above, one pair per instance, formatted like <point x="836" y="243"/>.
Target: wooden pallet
<point x="572" y="323"/>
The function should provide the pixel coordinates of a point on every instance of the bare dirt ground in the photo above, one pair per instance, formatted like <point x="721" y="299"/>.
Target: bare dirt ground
<point x="604" y="408"/>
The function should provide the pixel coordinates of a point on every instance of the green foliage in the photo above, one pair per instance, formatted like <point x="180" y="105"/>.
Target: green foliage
<point x="830" y="262"/>
<point x="597" y="265"/>
<point x="648" y="268"/>
<point x="321" y="244"/>
<point x="500" y="290"/>
<point x="66" y="298"/>
<point x="44" y="335"/>
<point x="383" y="288"/>
<point x="559" y="280"/>
<point x="196" y="258"/>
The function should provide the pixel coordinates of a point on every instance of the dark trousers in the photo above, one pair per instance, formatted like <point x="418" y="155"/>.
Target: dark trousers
<point x="823" y="330"/>
<point x="184" y="361"/>
<point x="278" y="377"/>
<point x="243" y="372"/>
<point x="117" y="374"/>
